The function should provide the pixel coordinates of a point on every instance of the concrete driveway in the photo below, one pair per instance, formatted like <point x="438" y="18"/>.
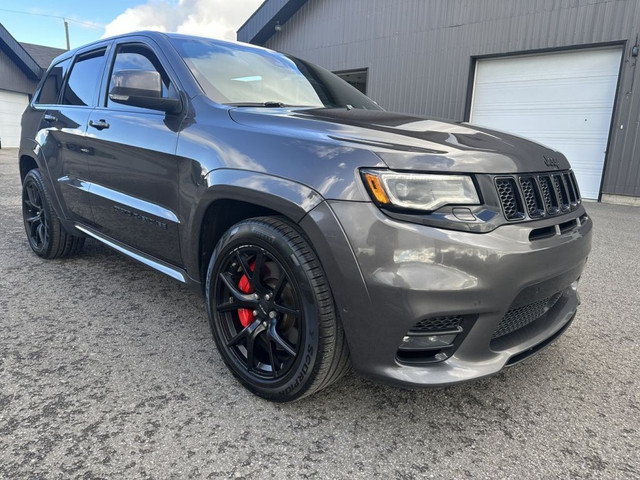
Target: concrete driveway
<point x="108" y="370"/>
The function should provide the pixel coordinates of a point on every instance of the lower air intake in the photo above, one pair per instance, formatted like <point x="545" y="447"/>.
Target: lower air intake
<point x="438" y="324"/>
<point x="520" y="317"/>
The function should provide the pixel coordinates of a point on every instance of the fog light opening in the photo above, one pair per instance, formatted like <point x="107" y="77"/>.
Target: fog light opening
<point x="420" y="341"/>
<point x="419" y="347"/>
<point x="434" y="339"/>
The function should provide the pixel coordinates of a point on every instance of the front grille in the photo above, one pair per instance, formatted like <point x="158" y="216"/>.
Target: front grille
<point x="561" y="191"/>
<point x="438" y="324"/>
<point x="548" y="195"/>
<point x="535" y="196"/>
<point x="520" y="317"/>
<point x="532" y="199"/>
<point x="509" y="198"/>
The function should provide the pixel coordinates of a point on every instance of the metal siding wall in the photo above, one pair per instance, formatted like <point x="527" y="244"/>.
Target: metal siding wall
<point x="12" y="78"/>
<point x="418" y="53"/>
<point x="265" y="12"/>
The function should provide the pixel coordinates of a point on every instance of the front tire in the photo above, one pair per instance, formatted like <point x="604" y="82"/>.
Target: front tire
<point x="272" y="313"/>
<point x="46" y="235"/>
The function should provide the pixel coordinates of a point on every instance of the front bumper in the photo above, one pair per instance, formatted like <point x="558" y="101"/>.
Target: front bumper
<point x="387" y="275"/>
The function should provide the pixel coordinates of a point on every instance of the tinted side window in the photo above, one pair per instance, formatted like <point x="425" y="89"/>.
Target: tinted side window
<point x="50" y="91"/>
<point x="138" y="57"/>
<point x="83" y="80"/>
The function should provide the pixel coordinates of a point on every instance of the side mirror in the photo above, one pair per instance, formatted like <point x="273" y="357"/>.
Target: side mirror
<point x="141" y="88"/>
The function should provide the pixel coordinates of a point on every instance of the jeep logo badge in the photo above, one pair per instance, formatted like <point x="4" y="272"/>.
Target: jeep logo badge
<point x="551" y="162"/>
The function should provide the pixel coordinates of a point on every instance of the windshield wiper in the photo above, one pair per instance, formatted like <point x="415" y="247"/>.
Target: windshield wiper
<point x="259" y="104"/>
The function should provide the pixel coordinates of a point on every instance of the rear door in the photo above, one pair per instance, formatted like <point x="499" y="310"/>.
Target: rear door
<point x="63" y="126"/>
<point x="132" y="166"/>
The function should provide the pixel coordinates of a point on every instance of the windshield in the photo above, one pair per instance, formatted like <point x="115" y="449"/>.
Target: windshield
<point x="234" y="74"/>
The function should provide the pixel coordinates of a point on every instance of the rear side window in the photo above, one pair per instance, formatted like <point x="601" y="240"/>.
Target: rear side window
<point x="139" y="58"/>
<point x="52" y="85"/>
<point x="83" y="80"/>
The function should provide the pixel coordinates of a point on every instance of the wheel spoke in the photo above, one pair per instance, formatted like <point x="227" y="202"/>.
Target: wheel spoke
<point x="33" y="194"/>
<point x="246" y="298"/>
<point x="251" y="343"/>
<point x="246" y="269"/>
<point x="251" y="360"/>
<point x="235" y="305"/>
<point x="272" y="357"/>
<point x="41" y="234"/>
<point x="29" y="198"/>
<point x="280" y="341"/>
<point x="286" y="310"/>
<point x="30" y="205"/>
<point x="34" y="229"/>
<point x="279" y="286"/>
<point x="32" y="219"/>
<point x="256" y="280"/>
<point x="244" y="333"/>
<point x="253" y="274"/>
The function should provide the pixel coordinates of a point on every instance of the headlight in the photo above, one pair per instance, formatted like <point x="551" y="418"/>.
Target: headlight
<point x="420" y="191"/>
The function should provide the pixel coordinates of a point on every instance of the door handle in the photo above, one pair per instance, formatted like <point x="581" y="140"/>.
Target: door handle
<point x="100" y="124"/>
<point x="49" y="118"/>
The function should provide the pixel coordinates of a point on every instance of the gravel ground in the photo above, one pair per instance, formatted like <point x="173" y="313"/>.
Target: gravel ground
<point x="108" y="370"/>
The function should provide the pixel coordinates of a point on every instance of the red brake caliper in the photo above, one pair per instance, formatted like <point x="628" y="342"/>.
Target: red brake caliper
<point x="246" y="315"/>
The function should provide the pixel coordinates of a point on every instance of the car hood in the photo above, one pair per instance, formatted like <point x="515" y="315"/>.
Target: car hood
<point x="407" y="142"/>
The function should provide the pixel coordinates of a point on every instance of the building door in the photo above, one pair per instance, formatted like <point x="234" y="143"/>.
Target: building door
<point x="12" y="105"/>
<point x="563" y="100"/>
<point x="355" y="78"/>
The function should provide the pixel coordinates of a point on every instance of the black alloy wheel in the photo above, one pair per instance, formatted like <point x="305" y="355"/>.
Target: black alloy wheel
<point x="271" y="311"/>
<point x="259" y="311"/>
<point x="47" y="237"/>
<point x="36" y="220"/>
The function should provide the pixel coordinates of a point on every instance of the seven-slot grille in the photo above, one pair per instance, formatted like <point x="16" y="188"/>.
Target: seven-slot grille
<point x="537" y="195"/>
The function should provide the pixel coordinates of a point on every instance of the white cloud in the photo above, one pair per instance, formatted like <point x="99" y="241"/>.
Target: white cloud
<point x="209" y="18"/>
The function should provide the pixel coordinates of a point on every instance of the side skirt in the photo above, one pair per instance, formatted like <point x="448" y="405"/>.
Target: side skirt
<point x="156" y="264"/>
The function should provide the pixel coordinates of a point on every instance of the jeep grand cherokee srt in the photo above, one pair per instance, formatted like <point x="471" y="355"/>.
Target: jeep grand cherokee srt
<point x="324" y="232"/>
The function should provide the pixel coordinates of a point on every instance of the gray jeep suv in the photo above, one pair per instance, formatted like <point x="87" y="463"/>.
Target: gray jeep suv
<point x="324" y="232"/>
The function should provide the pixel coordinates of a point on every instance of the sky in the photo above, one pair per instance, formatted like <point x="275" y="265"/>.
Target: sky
<point x="38" y="21"/>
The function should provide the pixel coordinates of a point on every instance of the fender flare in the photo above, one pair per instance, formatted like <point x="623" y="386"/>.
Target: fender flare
<point x="37" y="154"/>
<point x="290" y="199"/>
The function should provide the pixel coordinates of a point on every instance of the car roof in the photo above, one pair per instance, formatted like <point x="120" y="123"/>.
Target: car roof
<point x="155" y="35"/>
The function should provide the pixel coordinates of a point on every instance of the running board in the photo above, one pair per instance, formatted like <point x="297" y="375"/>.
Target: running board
<point x="140" y="257"/>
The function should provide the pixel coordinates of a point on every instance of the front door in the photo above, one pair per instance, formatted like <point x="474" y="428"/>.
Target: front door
<point x="132" y="166"/>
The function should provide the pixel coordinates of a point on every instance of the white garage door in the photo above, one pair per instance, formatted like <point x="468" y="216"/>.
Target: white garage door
<point x="12" y="105"/>
<point x="563" y="100"/>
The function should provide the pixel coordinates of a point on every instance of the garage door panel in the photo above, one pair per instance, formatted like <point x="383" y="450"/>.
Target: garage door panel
<point x="589" y="172"/>
<point x="595" y="62"/>
<point x="12" y="105"/>
<point x="586" y="181"/>
<point x="547" y="93"/>
<point x="594" y="122"/>
<point x="563" y="100"/>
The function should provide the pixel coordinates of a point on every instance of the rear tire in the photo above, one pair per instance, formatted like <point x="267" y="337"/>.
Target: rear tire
<point x="47" y="237"/>
<point x="272" y="313"/>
